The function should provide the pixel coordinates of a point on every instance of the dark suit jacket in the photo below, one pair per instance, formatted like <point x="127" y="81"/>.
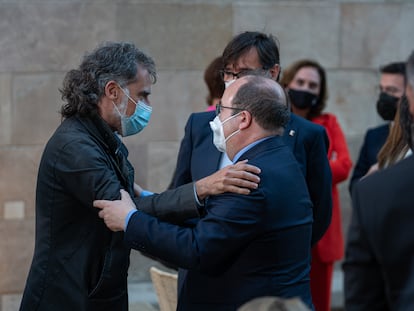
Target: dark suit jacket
<point x="246" y="246"/>
<point x="373" y="141"/>
<point x="379" y="261"/>
<point x="198" y="158"/>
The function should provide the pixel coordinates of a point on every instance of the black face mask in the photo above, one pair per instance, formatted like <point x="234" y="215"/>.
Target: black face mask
<point x="387" y="106"/>
<point x="302" y="99"/>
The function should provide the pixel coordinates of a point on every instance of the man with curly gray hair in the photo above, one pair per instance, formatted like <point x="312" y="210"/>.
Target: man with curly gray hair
<point x="79" y="264"/>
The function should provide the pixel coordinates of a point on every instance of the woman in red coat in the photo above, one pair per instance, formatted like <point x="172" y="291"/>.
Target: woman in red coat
<point x="305" y="82"/>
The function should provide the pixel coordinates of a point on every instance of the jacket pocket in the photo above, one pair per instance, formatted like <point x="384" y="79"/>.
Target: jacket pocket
<point x="112" y="280"/>
<point x="118" y="303"/>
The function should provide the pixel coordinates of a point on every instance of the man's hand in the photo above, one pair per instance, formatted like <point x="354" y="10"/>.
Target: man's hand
<point x="115" y="212"/>
<point x="238" y="178"/>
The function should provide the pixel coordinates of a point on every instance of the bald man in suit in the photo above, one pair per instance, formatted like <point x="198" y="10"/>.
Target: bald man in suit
<point x="257" y="52"/>
<point x="246" y="246"/>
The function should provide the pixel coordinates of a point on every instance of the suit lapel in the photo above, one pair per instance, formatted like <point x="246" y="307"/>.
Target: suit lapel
<point x="206" y="161"/>
<point x="214" y="157"/>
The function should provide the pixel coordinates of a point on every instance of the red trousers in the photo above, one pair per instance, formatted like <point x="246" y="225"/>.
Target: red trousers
<point x="321" y="283"/>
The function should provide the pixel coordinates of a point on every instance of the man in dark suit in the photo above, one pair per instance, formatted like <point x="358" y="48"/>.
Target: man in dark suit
<point x="246" y="246"/>
<point x="379" y="259"/>
<point x="391" y="90"/>
<point x="198" y="157"/>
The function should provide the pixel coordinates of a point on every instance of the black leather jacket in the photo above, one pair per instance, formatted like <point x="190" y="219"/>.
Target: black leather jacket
<point x="78" y="263"/>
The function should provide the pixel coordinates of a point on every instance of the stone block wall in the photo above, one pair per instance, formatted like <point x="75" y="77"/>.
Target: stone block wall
<point x="42" y="39"/>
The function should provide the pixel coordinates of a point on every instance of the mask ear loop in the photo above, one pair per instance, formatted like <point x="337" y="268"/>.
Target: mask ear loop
<point x="129" y="97"/>
<point x="116" y="108"/>
<point x="231" y="135"/>
<point x="231" y="117"/>
<point x="235" y="132"/>
<point x="125" y="104"/>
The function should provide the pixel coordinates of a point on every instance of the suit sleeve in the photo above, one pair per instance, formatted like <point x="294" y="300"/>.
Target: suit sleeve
<point x="319" y="181"/>
<point x="175" y="205"/>
<point x="363" y="277"/>
<point x="182" y="174"/>
<point x="362" y="166"/>
<point x="340" y="161"/>
<point x="210" y="247"/>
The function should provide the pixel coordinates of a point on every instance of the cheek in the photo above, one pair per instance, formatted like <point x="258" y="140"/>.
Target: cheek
<point x="230" y="127"/>
<point x="294" y="85"/>
<point x="315" y="91"/>
<point x="130" y="109"/>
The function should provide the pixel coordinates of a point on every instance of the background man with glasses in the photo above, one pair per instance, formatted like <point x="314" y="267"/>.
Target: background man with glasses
<point x="256" y="52"/>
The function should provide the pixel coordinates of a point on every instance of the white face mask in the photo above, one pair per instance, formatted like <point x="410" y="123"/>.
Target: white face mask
<point x="218" y="133"/>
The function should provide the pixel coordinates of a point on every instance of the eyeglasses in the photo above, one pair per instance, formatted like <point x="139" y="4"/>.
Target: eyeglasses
<point x="227" y="75"/>
<point x="219" y="107"/>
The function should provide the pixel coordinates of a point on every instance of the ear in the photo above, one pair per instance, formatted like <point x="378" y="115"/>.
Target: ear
<point x="246" y="118"/>
<point x="274" y="71"/>
<point x="112" y="90"/>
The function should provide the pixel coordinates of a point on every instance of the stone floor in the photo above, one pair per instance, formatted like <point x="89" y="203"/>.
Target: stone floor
<point x="143" y="298"/>
<point x="337" y="302"/>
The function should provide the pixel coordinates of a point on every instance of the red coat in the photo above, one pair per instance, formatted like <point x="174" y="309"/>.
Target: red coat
<point x="331" y="246"/>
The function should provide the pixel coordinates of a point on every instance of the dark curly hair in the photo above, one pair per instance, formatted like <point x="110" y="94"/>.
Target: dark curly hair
<point x="83" y="87"/>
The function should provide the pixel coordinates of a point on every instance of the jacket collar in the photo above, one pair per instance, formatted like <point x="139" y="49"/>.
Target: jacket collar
<point x="273" y="142"/>
<point x="99" y="129"/>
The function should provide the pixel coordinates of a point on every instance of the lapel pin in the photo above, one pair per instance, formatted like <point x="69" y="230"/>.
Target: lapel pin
<point x="291" y="133"/>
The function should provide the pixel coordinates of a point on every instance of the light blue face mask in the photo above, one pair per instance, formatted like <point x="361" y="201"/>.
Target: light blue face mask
<point x="138" y="120"/>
